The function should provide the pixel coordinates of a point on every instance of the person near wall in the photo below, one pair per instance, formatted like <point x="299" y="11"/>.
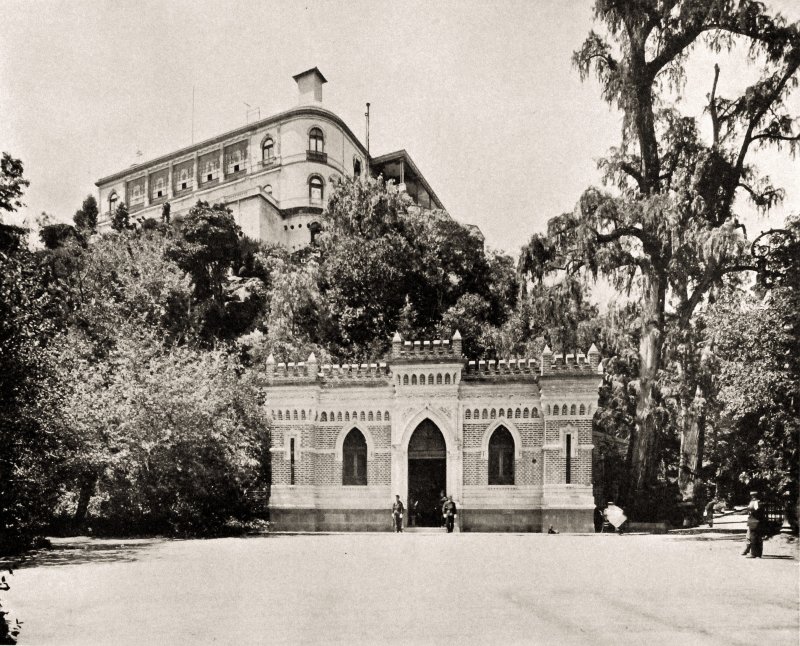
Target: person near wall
<point x="449" y="512"/>
<point x="397" y="514"/>
<point x="710" y="512"/>
<point x="755" y="518"/>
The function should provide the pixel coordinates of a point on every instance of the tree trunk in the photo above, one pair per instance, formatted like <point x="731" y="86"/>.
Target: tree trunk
<point x="644" y="453"/>
<point x="691" y="459"/>
<point x="84" y="496"/>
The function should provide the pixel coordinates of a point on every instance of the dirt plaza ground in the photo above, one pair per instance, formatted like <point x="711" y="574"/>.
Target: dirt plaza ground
<point x="429" y="588"/>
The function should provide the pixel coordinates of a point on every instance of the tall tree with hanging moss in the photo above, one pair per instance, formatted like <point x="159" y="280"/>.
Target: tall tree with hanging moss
<point x="670" y="227"/>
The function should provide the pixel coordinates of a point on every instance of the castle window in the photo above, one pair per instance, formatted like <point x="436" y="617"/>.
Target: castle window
<point x="354" y="459"/>
<point x="361" y="416"/>
<point x="501" y="457"/>
<point x="413" y="380"/>
<point x="508" y="414"/>
<point x="291" y="461"/>
<point x="555" y="409"/>
<point x="302" y="414"/>
<point x="583" y="410"/>
<point x="568" y="462"/>
<point x="564" y="409"/>
<point x="280" y="415"/>
<point x="268" y="150"/>
<point x="535" y="412"/>
<point x="315" y="189"/>
<point x="572" y="409"/>
<point x="485" y="414"/>
<point x="339" y="416"/>
<point x="370" y="418"/>
<point x="422" y="380"/>
<point x="467" y="414"/>
<point x="323" y="417"/>
<point x="476" y="414"/>
<point x="493" y="414"/>
<point x="430" y="380"/>
<point x="113" y="200"/>
<point x="294" y="415"/>
<point x="378" y="416"/>
<point x="405" y="380"/>
<point x="316" y="141"/>
<point x="447" y="379"/>
<point x="386" y="416"/>
<point x="517" y="413"/>
<point x="525" y="413"/>
<point x="347" y="417"/>
<point x="439" y="379"/>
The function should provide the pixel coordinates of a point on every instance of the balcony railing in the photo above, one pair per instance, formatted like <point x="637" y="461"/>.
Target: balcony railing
<point x="313" y="155"/>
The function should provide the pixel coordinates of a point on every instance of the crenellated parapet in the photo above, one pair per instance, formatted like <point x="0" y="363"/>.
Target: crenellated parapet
<point x="527" y="369"/>
<point x="570" y="364"/>
<point x="310" y="372"/>
<point x="427" y="350"/>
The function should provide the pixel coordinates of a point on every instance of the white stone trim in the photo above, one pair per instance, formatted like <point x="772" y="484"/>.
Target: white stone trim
<point x="487" y="434"/>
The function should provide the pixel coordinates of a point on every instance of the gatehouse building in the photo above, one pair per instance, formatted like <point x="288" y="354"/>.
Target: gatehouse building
<point x="510" y="440"/>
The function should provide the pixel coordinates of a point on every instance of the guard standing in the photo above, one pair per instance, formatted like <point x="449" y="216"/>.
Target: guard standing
<point x="397" y="514"/>
<point x="449" y="512"/>
<point x="755" y="537"/>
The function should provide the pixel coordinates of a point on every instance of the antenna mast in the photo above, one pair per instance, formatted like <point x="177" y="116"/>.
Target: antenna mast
<point x="366" y="114"/>
<point x="193" y="114"/>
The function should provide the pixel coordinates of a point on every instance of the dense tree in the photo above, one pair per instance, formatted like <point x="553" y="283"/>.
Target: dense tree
<point x="30" y="450"/>
<point x="121" y="219"/>
<point x="385" y="265"/>
<point x="671" y="229"/>
<point x="85" y="218"/>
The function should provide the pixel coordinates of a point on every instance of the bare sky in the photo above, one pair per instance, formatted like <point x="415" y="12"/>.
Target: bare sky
<point x="481" y="94"/>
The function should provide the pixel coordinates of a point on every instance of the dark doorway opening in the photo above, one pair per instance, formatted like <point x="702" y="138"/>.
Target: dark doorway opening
<point x="427" y="475"/>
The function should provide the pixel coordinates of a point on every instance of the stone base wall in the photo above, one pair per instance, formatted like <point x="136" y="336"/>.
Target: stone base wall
<point x="500" y="520"/>
<point x="331" y="520"/>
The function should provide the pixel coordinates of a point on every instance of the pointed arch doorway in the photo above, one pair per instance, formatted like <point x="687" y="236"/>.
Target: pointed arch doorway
<point x="427" y="473"/>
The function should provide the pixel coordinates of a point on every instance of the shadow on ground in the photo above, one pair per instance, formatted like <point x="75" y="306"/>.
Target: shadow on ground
<point x="80" y="551"/>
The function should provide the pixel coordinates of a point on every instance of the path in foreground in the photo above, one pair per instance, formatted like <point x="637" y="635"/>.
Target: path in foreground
<point x="412" y="588"/>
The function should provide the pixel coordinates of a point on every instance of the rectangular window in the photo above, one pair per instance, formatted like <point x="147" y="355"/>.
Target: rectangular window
<point x="291" y="461"/>
<point x="209" y="166"/>
<point x="235" y="156"/>
<point x="183" y="176"/>
<point x="568" y="440"/>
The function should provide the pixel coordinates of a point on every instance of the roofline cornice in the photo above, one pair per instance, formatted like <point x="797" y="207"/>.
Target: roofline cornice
<point x="302" y="110"/>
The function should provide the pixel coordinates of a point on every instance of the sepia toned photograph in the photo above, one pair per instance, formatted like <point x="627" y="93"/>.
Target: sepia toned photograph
<point x="431" y="322"/>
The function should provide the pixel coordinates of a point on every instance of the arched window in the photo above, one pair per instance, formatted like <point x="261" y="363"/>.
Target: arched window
<point x="535" y="412"/>
<point x="422" y="380"/>
<point x="501" y="457"/>
<point x="439" y="379"/>
<point x="339" y="416"/>
<point x="447" y="379"/>
<point x="476" y="414"/>
<point x="572" y="409"/>
<point x="378" y="417"/>
<point x="493" y="414"/>
<point x="268" y="150"/>
<point x="361" y="416"/>
<point x="413" y="380"/>
<point x="517" y="413"/>
<point x="525" y="413"/>
<point x="485" y="414"/>
<point x="354" y="459"/>
<point x="555" y="409"/>
<point x="356" y="167"/>
<point x="323" y="417"/>
<point x="386" y="416"/>
<point x="294" y="414"/>
<point x="346" y="416"/>
<point x="302" y="414"/>
<point x="583" y="410"/>
<point x="564" y="409"/>
<point x="405" y="380"/>
<point x="315" y="189"/>
<point x="370" y="418"/>
<point x="508" y="414"/>
<point x="467" y="414"/>
<point x="280" y="415"/>
<point x="113" y="200"/>
<point x="316" y="141"/>
<point x="430" y="380"/>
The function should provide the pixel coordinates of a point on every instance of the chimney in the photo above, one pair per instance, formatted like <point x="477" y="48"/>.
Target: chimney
<point x="309" y="86"/>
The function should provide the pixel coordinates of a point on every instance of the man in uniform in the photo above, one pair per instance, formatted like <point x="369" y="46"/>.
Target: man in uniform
<point x="755" y="516"/>
<point x="449" y="513"/>
<point x="397" y="514"/>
